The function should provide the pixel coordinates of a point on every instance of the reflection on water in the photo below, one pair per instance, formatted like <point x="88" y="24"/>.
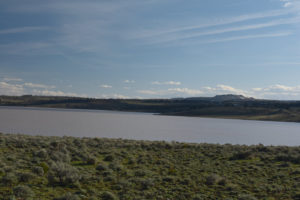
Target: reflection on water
<point x="141" y="126"/>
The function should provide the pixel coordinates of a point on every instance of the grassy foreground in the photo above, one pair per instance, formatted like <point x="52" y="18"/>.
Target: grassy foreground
<point x="68" y="168"/>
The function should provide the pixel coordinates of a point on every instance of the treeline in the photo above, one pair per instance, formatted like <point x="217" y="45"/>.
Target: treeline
<point x="207" y="107"/>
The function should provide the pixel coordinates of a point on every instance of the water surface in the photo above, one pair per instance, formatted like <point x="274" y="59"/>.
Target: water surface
<point x="142" y="126"/>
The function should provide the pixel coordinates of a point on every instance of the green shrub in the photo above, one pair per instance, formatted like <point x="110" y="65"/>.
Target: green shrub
<point x="91" y="160"/>
<point x="109" y="178"/>
<point x="2" y="171"/>
<point x="68" y="196"/>
<point x="25" y="177"/>
<point x="38" y="170"/>
<point x="101" y="167"/>
<point x="109" y="196"/>
<point x="140" y="173"/>
<point x="145" y="183"/>
<point x="109" y="158"/>
<point x="42" y="154"/>
<point x="241" y="155"/>
<point x="169" y="179"/>
<point x="198" y="197"/>
<point x="45" y="167"/>
<point x="115" y="166"/>
<point x="62" y="174"/>
<point x="246" y="197"/>
<point x="9" y="179"/>
<point x="212" y="179"/>
<point x="58" y="156"/>
<point x="23" y="192"/>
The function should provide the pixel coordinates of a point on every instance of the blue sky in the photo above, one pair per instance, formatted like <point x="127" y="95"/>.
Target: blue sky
<point x="150" y="48"/>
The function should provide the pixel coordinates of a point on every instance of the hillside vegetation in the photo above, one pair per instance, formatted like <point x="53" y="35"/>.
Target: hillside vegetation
<point x="68" y="168"/>
<point x="222" y="106"/>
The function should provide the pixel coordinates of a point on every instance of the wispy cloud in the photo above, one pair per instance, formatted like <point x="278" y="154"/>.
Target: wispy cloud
<point x="11" y="89"/>
<point x="276" y="91"/>
<point x="171" y="92"/>
<point x="129" y="81"/>
<point x="24" y="29"/>
<point x="152" y="92"/>
<point x="106" y="86"/>
<point x="216" y="22"/>
<point x="244" y="37"/>
<point x="185" y="91"/>
<point x="170" y="38"/>
<point x="114" y="96"/>
<point x="278" y="88"/>
<point x="188" y="92"/>
<point x="7" y="88"/>
<point x="34" y="85"/>
<point x="56" y="93"/>
<point x="293" y="4"/>
<point x="8" y="79"/>
<point x="224" y="89"/>
<point x="97" y="26"/>
<point x="166" y="83"/>
<point x="28" y="48"/>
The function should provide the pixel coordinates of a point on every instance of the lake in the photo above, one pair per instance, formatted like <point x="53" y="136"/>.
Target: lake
<point x="145" y="126"/>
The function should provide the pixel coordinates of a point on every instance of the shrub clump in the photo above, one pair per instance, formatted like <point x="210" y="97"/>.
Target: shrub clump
<point x="246" y="197"/>
<point x="38" y="170"/>
<point x="23" y="192"/>
<point x="109" y="196"/>
<point x="68" y="196"/>
<point x="62" y="174"/>
<point x="109" y="158"/>
<point x="60" y="156"/>
<point x="241" y="155"/>
<point x="91" y="160"/>
<point x="214" y="179"/>
<point x="101" y="167"/>
<point x="42" y="154"/>
<point x="25" y="177"/>
<point x="9" y="179"/>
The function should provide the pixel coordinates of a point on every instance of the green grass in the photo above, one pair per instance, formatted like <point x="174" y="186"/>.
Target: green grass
<point x="36" y="167"/>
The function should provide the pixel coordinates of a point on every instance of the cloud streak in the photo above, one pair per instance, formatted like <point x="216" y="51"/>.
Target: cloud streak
<point x="55" y="93"/>
<point x="33" y="85"/>
<point x="225" y="30"/>
<point x="114" y="96"/>
<point x="7" y="88"/>
<point x="276" y="91"/>
<point x="11" y="89"/>
<point x="106" y="86"/>
<point x="24" y="29"/>
<point x="166" y="83"/>
<point x="244" y="37"/>
<point x="9" y="79"/>
<point x="129" y="81"/>
<point x="217" y="22"/>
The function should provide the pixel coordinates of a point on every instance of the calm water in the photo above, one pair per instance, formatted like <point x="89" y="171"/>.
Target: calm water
<point x="141" y="126"/>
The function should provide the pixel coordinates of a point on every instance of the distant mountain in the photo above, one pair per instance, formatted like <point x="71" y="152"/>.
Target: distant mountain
<point x="226" y="97"/>
<point x="231" y="97"/>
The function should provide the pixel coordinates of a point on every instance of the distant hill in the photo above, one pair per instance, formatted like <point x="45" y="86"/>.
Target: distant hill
<point x="225" y="97"/>
<point x="231" y="97"/>
<point x="221" y="106"/>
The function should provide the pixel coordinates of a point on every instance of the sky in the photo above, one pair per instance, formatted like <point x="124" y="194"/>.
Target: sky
<point x="150" y="48"/>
